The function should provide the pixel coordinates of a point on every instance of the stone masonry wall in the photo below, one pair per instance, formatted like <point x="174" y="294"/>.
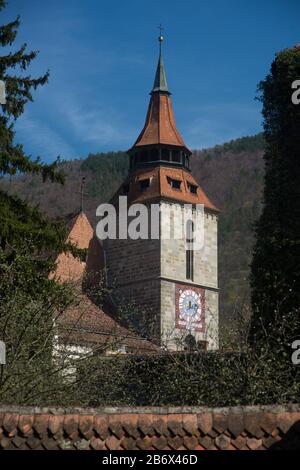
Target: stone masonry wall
<point x="186" y="428"/>
<point x="145" y="272"/>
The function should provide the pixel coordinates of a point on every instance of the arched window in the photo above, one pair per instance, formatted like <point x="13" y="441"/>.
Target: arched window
<point x="189" y="252"/>
<point x="190" y="343"/>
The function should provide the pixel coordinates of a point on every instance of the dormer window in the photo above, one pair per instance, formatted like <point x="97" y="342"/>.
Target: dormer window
<point x="144" y="184"/>
<point x="192" y="188"/>
<point x="174" y="183"/>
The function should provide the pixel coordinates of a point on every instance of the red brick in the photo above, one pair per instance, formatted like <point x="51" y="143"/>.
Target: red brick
<point x="285" y="421"/>
<point x="175" y="442"/>
<point x="220" y="422"/>
<point x="55" y="423"/>
<point x="86" y="425"/>
<point x="144" y="443"/>
<point x="25" y="424"/>
<point x="97" y="443"/>
<point x="71" y="425"/>
<point x="253" y="443"/>
<point x="4" y="443"/>
<point x="175" y="424"/>
<point x="235" y="424"/>
<point x="10" y="423"/>
<point x="115" y="425"/>
<point x="190" y="442"/>
<point x="101" y="426"/>
<point x="190" y="424"/>
<point x="205" y="441"/>
<point x="130" y="425"/>
<point x="40" y="423"/>
<point x="239" y="442"/>
<point x="205" y="422"/>
<point x="160" y="425"/>
<point x="128" y="443"/>
<point x="252" y="424"/>
<point x="112" y="443"/>
<point x="268" y="422"/>
<point x="222" y="442"/>
<point x="145" y="424"/>
<point x="159" y="443"/>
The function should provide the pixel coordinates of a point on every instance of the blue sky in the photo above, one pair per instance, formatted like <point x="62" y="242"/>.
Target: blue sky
<point x="102" y="57"/>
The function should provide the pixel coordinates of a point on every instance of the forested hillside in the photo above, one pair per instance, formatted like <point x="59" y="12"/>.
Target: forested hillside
<point x="231" y="174"/>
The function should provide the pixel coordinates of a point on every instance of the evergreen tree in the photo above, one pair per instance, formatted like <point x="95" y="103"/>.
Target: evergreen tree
<point x="275" y="273"/>
<point x="18" y="220"/>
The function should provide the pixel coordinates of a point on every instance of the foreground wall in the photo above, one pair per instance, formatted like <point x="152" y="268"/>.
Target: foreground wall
<point x="239" y="428"/>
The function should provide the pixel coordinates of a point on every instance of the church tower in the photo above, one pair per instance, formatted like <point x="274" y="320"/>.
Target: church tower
<point x="173" y="285"/>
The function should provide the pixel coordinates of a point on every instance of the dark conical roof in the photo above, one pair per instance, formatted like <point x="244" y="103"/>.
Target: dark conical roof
<point x="160" y="81"/>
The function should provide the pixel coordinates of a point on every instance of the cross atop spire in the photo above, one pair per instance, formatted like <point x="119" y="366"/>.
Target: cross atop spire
<point x="160" y="81"/>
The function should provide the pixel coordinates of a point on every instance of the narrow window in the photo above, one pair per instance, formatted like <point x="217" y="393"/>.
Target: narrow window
<point x="192" y="188"/>
<point x="165" y="154"/>
<point x="189" y="250"/>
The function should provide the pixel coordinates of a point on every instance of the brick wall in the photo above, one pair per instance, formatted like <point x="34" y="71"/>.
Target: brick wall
<point x="239" y="428"/>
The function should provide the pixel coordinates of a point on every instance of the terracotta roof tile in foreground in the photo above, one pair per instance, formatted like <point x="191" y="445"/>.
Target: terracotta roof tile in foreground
<point x="150" y="428"/>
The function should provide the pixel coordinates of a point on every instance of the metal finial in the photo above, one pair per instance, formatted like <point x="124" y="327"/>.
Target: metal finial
<point x="160" y="37"/>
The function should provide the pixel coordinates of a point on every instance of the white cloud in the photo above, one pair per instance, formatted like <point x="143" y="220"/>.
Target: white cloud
<point x="41" y="139"/>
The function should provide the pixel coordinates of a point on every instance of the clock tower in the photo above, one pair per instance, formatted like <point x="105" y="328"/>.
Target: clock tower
<point x="170" y="282"/>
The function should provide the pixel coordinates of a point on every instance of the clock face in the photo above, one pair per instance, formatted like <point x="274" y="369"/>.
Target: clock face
<point x="190" y="309"/>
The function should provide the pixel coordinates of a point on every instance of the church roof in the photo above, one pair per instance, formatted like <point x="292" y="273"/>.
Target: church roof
<point x="69" y="268"/>
<point x="86" y="323"/>
<point x="160" y="127"/>
<point x="161" y="187"/>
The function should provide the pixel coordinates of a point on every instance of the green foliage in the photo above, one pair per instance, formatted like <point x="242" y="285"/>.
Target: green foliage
<point x="243" y="144"/>
<point x="108" y="170"/>
<point x="261" y="375"/>
<point x="29" y="304"/>
<point x="13" y="159"/>
<point x="275" y="275"/>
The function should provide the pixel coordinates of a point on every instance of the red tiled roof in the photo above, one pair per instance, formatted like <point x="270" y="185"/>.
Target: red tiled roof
<point x="160" y="188"/>
<point x="150" y="428"/>
<point x="160" y="125"/>
<point x="87" y="324"/>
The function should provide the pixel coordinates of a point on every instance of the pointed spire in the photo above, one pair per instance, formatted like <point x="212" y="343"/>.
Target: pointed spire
<point x="160" y="82"/>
